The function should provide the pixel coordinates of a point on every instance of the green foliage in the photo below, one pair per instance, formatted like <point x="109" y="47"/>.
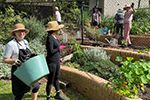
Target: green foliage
<point x="133" y="76"/>
<point x="4" y="68"/>
<point x="72" y="65"/>
<point x="36" y="27"/>
<point x="104" y="68"/>
<point x="79" y="57"/>
<point x="108" y="22"/>
<point x="95" y="61"/>
<point x="7" y="21"/>
<point x="96" y="54"/>
<point x="140" y="23"/>
<point x="68" y="9"/>
<point x="37" y="47"/>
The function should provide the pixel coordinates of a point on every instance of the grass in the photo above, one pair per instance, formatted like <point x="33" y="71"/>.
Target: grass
<point x="69" y="93"/>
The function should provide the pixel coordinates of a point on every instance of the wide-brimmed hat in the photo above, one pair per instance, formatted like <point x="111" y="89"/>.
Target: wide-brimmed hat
<point x="95" y="7"/>
<point x="53" y="26"/>
<point x="127" y="6"/>
<point x="120" y="11"/>
<point x="56" y="8"/>
<point x="19" y="27"/>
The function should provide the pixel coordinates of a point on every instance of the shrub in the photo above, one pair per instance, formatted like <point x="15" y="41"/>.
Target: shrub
<point x="68" y="10"/>
<point x="140" y="23"/>
<point x="4" y="68"/>
<point x="72" y="65"/>
<point x="104" y="68"/>
<point x="37" y="47"/>
<point x="7" y="21"/>
<point x="79" y="57"/>
<point x="36" y="27"/>
<point x="96" y="54"/>
<point x="108" y="22"/>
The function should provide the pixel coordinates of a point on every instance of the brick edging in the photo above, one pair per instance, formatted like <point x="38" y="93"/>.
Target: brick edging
<point x="122" y="53"/>
<point x="90" y="85"/>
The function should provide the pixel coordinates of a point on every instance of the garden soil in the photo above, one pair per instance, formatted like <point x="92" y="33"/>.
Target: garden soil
<point x="145" y="95"/>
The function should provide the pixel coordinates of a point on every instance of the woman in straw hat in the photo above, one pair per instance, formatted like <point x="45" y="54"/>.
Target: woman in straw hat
<point x="128" y="22"/>
<point x="17" y="51"/>
<point x="53" y="53"/>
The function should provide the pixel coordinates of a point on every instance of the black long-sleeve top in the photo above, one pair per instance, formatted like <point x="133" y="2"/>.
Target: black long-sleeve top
<point x="52" y="47"/>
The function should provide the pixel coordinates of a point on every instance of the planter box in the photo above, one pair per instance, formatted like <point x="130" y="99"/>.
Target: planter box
<point x="90" y="85"/>
<point x="140" y="41"/>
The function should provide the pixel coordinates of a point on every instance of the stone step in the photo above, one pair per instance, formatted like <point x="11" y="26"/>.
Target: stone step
<point x="64" y="83"/>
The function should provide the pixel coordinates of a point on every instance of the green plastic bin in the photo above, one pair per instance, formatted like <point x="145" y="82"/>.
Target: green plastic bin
<point x="32" y="70"/>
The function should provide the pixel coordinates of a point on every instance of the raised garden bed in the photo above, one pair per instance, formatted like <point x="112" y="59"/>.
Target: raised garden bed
<point x="87" y="83"/>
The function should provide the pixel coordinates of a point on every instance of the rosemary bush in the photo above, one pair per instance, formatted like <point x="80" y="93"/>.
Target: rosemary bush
<point x="4" y="68"/>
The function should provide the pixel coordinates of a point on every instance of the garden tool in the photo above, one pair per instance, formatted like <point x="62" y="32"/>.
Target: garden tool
<point x="113" y="42"/>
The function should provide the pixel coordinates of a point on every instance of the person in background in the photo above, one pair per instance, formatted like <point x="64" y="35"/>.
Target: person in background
<point x="95" y="18"/>
<point x="53" y="53"/>
<point x="119" y="17"/>
<point x="16" y="52"/>
<point x="128" y="22"/>
<point x="58" y="18"/>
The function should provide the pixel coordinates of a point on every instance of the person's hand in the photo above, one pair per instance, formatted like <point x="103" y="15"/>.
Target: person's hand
<point x="17" y="62"/>
<point x="61" y="47"/>
<point x="60" y="60"/>
<point x="132" y="5"/>
<point x="33" y="55"/>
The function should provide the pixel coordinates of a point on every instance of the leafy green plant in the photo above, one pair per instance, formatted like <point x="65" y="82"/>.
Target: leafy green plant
<point x="4" y="68"/>
<point x="72" y="65"/>
<point x="133" y="76"/>
<point x="68" y="10"/>
<point x="140" y="23"/>
<point x="36" y="27"/>
<point x="7" y="21"/>
<point x="107" y="22"/>
<point x="95" y="54"/>
<point x="79" y="57"/>
<point x="104" y="68"/>
<point x="37" y="47"/>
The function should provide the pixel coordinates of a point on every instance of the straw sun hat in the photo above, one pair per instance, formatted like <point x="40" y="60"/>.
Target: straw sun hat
<point x="53" y="26"/>
<point x="127" y="6"/>
<point x="19" y="27"/>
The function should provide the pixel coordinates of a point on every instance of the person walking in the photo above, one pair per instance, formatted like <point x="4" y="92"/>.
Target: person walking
<point x="95" y="18"/>
<point x="16" y="52"/>
<point x="58" y="18"/>
<point x="119" y="17"/>
<point x="53" y="53"/>
<point x="128" y="22"/>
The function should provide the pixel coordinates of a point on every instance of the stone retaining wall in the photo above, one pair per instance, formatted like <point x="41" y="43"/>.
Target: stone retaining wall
<point x="90" y="85"/>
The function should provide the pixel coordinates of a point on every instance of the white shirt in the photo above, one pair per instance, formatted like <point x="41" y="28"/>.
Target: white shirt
<point x="12" y="48"/>
<point x="59" y="16"/>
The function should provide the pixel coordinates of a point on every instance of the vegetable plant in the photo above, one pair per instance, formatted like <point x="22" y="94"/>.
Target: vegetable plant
<point x="132" y="76"/>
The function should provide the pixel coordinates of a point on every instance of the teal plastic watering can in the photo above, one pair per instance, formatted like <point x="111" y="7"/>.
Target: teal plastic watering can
<point x="32" y="70"/>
